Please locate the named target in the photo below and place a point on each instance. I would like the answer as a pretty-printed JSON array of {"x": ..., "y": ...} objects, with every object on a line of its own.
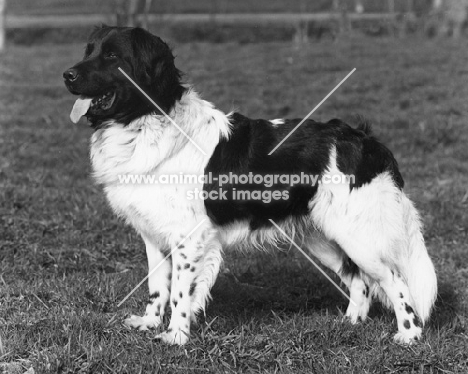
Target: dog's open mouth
[
  {"x": 92, "y": 105},
  {"x": 103, "y": 102}
]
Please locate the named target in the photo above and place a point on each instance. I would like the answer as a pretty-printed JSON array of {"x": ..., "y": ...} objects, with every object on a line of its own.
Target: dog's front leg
[
  {"x": 184, "y": 278},
  {"x": 159, "y": 270}
]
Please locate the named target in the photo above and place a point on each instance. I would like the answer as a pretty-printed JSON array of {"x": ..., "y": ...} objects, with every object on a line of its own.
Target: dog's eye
[{"x": 110, "y": 55}]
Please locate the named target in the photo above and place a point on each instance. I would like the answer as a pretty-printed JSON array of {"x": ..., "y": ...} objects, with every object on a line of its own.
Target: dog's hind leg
[
  {"x": 359, "y": 292},
  {"x": 389, "y": 286},
  {"x": 379, "y": 277},
  {"x": 158, "y": 283},
  {"x": 379, "y": 230},
  {"x": 331, "y": 255},
  {"x": 397, "y": 291}
]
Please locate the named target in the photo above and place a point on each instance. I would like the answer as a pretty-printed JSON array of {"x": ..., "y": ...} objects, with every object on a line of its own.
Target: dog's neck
[
  {"x": 143, "y": 107},
  {"x": 184, "y": 139}
]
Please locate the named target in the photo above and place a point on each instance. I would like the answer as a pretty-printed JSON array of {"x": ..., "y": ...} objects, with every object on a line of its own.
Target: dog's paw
[
  {"x": 406, "y": 338},
  {"x": 352, "y": 318},
  {"x": 357, "y": 311},
  {"x": 174, "y": 336},
  {"x": 143, "y": 323},
  {"x": 355, "y": 314}
]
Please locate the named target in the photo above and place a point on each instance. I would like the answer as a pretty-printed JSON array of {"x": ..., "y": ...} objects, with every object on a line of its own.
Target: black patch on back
[
  {"x": 307, "y": 151},
  {"x": 406, "y": 324},
  {"x": 362, "y": 155},
  {"x": 247, "y": 151}
]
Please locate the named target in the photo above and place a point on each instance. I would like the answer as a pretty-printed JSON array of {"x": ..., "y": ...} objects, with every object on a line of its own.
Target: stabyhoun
[{"x": 368, "y": 231}]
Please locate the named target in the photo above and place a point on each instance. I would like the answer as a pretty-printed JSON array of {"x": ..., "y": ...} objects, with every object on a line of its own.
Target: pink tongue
[{"x": 80, "y": 108}]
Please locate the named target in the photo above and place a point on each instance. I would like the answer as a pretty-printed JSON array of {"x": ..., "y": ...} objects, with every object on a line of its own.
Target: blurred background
[{"x": 30, "y": 21}]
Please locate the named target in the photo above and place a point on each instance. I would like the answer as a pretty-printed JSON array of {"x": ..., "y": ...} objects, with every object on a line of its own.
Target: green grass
[{"x": 66, "y": 261}]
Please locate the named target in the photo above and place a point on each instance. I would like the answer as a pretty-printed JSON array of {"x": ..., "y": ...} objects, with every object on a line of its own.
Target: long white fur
[
  {"x": 374, "y": 225},
  {"x": 379, "y": 229},
  {"x": 151, "y": 145}
]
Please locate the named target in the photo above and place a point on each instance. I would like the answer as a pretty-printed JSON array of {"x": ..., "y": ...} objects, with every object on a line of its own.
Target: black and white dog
[{"x": 365, "y": 229}]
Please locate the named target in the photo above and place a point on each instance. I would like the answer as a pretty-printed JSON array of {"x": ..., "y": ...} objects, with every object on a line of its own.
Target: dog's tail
[{"x": 420, "y": 272}]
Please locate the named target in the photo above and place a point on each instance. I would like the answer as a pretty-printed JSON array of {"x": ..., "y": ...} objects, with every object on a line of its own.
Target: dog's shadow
[
  {"x": 301, "y": 289},
  {"x": 447, "y": 310},
  {"x": 279, "y": 285}
]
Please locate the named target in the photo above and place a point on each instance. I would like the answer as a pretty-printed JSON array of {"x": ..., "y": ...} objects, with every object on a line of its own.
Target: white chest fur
[{"x": 152, "y": 146}]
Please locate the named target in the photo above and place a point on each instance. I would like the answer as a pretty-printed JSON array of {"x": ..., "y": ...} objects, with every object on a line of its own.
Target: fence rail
[{"x": 78, "y": 20}]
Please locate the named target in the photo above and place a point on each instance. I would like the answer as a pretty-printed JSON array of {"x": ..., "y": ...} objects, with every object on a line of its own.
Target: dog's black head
[{"x": 143, "y": 56}]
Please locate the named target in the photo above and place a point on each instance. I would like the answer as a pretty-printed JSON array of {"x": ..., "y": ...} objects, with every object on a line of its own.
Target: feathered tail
[{"x": 420, "y": 272}]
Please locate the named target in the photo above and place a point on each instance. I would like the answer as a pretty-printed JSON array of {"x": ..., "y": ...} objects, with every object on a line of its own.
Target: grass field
[{"x": 66, "y": 261}]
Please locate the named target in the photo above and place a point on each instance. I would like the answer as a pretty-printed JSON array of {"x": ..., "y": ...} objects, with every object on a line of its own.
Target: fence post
[
  {"x": 120, "y": 13},
  {"x": 302, "y": 26},
  {"x": 391, "y": 22},
  {"x": 2, "y": 24},
  {"x": 340, "y": 8}
]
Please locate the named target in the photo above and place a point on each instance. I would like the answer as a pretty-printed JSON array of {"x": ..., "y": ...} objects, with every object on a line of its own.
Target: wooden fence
[{"x": 65, "y": 21}]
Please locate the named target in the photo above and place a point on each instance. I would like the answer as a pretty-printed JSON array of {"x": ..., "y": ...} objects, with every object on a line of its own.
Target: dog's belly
[{"x": 241, "y": 236}]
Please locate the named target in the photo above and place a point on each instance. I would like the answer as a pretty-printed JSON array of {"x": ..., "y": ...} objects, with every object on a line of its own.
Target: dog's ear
[{"x": 154, "y": 64}]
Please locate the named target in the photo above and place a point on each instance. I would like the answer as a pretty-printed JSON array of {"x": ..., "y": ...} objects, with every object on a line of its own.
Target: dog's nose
[{"x": 70, "y": 75}]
